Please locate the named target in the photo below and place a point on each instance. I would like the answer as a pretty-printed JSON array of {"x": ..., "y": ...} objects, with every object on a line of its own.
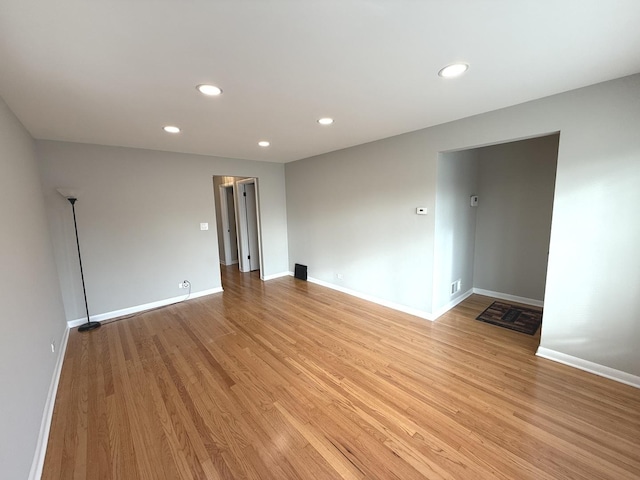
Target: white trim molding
[
  {"x": 141, "y": 308},
  {"x": 452, "y": 304},
  {"x": 266, "y": 278},
  {"x": 370, "y": 298},
  {"x": 47, "y": 416},
  {"x": 233, "y": 262},
  {"x": 510, "y": 298},
  {"x": 591, "y": 367}
]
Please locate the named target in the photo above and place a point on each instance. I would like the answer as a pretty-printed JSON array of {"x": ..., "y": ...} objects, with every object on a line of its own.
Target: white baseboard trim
[
  {"x": 140, "y": 308},
  {"x": 47, "y": 416},
  {"x": 276, "y": 275},
  {"x": 511, "y": 298},
  {"x": 452, "y": 304},
  {"x": 370, "y": 298},
  {"x": 234, "y": 262},
  {"x": 591, "y": 367}
]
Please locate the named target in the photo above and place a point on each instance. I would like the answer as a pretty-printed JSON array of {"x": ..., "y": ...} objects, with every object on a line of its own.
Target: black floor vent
[{"x": 300, "y": 272}]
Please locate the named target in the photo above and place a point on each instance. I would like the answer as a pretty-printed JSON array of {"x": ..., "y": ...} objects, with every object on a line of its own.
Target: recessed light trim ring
[
  {"x": 453, "y": 70},
  {"x": 209, "y": 90}
]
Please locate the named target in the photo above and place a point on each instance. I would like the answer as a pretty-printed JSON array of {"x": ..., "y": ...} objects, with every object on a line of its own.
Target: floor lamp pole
[{"x": 89, "y": 325}]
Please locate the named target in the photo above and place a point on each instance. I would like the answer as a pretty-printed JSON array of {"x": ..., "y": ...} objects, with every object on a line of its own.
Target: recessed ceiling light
[
  {"x": 325, "y": 121},
  {"x": 263, "y": 143},
  {"x": 210, "y": 90},
  {"x": 453, "y": 70},
  {"x": 171, "y": 129}
]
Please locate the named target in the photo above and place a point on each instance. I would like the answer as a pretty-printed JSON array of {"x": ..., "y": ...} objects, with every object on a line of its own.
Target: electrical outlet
[
  {"x": 455, "y": 286},
  {"x": 186, "y": 284},
  {"x": 339, "y": 276},
  {"x": 180, "y": 285}
]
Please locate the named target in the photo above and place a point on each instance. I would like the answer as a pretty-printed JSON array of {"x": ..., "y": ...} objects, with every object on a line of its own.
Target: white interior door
[
  {"x": 252, "y": 226},
  {"x": 248, "y": 216},
  {"x": 229, "y": 232}
]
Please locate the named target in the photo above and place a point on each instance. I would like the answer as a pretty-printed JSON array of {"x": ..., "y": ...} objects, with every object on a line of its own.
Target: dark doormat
[{"x": 514, "y": 317}]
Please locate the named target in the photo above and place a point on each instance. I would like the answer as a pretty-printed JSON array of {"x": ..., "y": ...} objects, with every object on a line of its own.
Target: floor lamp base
[{"x": 85, "y": 327}]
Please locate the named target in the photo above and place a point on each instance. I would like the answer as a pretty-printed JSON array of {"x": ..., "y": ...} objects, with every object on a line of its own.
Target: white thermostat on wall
[
  {"x": 474, "y": 200},
  {"x": 421, "y": 210}
]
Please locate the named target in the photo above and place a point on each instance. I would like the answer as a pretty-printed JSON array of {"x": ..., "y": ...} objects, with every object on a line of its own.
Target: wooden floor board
[{"x": 290, "y": 380}]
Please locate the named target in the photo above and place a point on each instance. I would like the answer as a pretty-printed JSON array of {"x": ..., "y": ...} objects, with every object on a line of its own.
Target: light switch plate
[{"x": 204, "y": 226}]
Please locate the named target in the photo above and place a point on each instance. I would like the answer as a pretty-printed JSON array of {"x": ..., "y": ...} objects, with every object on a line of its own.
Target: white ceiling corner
[{"x": 113, "y": 72}]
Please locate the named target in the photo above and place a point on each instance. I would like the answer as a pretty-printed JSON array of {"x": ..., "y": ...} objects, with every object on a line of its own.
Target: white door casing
[{"x": 248, "y": 218}]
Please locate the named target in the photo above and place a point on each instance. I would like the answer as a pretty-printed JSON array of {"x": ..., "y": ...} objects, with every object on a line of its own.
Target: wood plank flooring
[{"x": 290, "y": 380}]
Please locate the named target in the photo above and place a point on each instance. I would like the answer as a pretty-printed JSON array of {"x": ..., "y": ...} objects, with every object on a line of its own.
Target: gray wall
[
  {"x": 32, "y": 313},
  {"x": 352, "y": 211},
  {"x": 217, "y": 181},
  {"x": 516, "y": 186},
  {"x": 455, "y": 224},
  {"x": 139, "y": 215}
]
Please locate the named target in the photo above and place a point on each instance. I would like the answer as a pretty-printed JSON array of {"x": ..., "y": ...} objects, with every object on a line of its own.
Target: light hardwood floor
[{"x": 290, "y": 380}]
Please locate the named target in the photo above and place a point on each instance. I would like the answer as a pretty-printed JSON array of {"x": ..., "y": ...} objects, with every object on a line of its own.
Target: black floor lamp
[{"x": 85, "y": 327}]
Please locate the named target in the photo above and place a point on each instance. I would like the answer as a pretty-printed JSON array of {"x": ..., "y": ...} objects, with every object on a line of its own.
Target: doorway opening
[
  {"x": 248, "y": 225},
  {"x": 494, "y": 206},
  {"x": 229, "y": 250},
  {"x": 238, "y": 223}
]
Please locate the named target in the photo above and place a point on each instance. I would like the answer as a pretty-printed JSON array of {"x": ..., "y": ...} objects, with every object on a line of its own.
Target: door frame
[
  {"x": 224, "y": 212},
  {"x": 241, "y": 220}
]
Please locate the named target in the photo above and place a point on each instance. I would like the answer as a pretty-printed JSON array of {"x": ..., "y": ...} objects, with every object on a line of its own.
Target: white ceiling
[{"x": 113, "y": 72}]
